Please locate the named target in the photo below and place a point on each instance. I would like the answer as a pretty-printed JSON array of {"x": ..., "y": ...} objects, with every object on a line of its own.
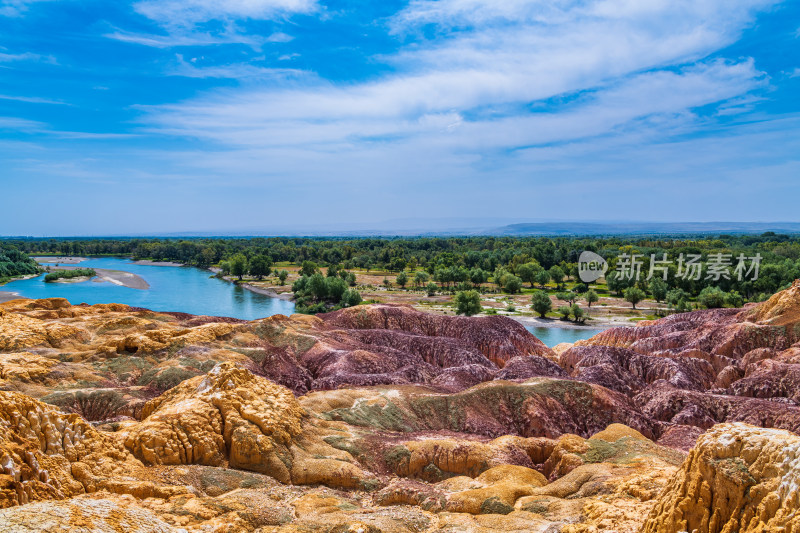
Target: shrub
[
  {"x": 712, "y": 297},
  {"x": 591, "y": 297},
  {"x": 468, "y": 303},
  {"x": 431, "y": 289},
  {"x": 511, "y": 283},
  {"x": 540, "y": 302},
  {"x": 69, "y": 274},
  {"x": 634, "y": 295}
]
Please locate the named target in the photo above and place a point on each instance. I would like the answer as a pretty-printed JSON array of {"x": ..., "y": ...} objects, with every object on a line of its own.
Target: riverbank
[
  {"x": 7, "y": 296},
  {"x": 598, "y": 323},
  {"x": 157, "y": 263},
  {"x": 61, "y": 260},
  {"x": 286, "y": 296},
  {"x": 122, "y": 278},
  {"x": 117, "y": 277}
]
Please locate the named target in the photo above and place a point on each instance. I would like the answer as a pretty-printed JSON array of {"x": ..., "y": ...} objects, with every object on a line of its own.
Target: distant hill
[
  {"x": 458, "y": 227},
  {"x": 641, "y": 228}
]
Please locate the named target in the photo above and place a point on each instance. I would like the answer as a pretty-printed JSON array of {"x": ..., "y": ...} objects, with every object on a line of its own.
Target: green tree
[
  {"x": 511, "y": 283},
  {"x": 712, "y": 297},
  {"x": 543, "y": 278},
  {"x": 499, "y": 274},
  {"x": 540, "y": 302},
  {"x": 591, "y": 297},
  {"x": 528, "y": 271},
  {"x": 565, "y": 311},
  {"x": 420, "y": 278},
  {"x": 676, "y": 295},
  {"x": 225, "y": 267},
  {"x": 734, "y": 299},
  {"x": 317, "y": 286},
  {"x": 207, "y": 257},
  {"x": 658, "y": 288},
  {"x": 577, "y": 312},
  {"x": 350, "y": 298},
  {"x": 238, "y": 265},
  {"x": 260, "y": 266},
  {"x": 444, "y": 276},
  {"x": 402, "y": 279},
  {"x": 568, "y": 296},
  {"x": 309, "y": 268},
  {"x": 335, "y": 288},
  {"x": 616, "y": 283},
  {"x": 683, "y": 306},
  {"x": 478, "y": 276},
  {"x": 351, "y": 279},
  {"x": 431, "y": 289},
  {"x": 634, "y": 295},
  {"x": 557, "y": 275},
  {"x": 468, "y": 303},
  {"x": 282, "y": 275}
]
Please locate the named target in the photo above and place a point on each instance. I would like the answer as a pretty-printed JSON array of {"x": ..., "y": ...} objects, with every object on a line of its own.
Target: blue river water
[
  {"x": 196, "y": 291},
  {"x": 553, "y": 336},
  {"x": 185, "y": 289}
]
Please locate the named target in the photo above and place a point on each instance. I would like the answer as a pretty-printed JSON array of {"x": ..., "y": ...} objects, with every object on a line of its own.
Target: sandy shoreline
[
  {"x": 157, "y": 263},
  {"x": 536, "y": 322},
  {"x": 266, "y": 292},
  {"x": 7, "y": 296},
  {"x": 122, "y": 278},
  {"x": 61, "y": 260},
  {"x": 117, "y": 277}
]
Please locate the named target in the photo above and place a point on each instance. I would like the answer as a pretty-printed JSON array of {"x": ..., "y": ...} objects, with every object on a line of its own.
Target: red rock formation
[{"x": 496, "y": 337}]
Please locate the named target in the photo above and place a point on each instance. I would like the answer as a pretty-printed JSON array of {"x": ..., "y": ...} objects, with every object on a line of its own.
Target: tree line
[
  {"x": 15, "y": 263},
  {"x": 459, "y": 262}
]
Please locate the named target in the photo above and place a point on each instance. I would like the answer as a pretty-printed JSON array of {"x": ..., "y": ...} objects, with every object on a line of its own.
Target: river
[{"x": 185, "y": 289}]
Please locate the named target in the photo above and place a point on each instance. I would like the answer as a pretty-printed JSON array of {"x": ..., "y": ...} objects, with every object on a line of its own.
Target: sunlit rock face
[
  {"x": 383, "y": 418},
  {"x": 737, "y": 478}
]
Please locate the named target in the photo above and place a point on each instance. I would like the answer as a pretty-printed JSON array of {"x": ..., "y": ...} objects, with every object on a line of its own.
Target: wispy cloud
[
  {"x": 534, "y": 98},
  {"x": 32, "y": 100},
  {"x": 21, "y": 124},
  {"x": 26, "y": 56},
  {"x": 185, "y": 21},
  {"x": 473, "y": 89},
  {"x": 185, "y": 38},
  {"x": 237, "y": 71},
  {"x": 16, "y": 8},
  {"x": 188, "y": 13}
]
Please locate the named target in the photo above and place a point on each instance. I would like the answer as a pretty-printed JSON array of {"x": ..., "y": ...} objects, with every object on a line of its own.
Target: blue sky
[{"x": 220, "y": 115}]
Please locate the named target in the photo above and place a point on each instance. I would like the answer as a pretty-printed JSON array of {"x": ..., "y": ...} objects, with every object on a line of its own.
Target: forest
[{"x": 454, "y": 260}]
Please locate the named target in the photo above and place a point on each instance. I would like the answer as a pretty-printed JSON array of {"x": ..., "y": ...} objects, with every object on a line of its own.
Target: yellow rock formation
[{"x": 738, "y": 478}]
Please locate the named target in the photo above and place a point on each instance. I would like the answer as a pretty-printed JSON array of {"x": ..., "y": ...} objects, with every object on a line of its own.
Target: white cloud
[
  {"x": 186, "y": 21},
  {"x": 183, "y": 38},
  {"x": 476, "y": 85},
  {"x": 238, "y": 71},
  {"x": 25, "y": 56},
  {"x": 187, "y": 13},
  {"x": 327, "y": 115},
  {"x": 32, "y": 99},
  {"x": 21, "y": 124},
  {"x": 16, "y": 8}
]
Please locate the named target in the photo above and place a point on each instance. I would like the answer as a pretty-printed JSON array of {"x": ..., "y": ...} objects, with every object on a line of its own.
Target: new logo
[{"x": 591, "y": 267}]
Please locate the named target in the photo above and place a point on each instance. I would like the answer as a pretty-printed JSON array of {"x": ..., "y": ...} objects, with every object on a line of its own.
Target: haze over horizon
[{"x": 158, "y": 116}]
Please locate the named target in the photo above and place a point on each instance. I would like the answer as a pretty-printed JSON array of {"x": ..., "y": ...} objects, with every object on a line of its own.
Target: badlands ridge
[{"x": 385, "y": 419}]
